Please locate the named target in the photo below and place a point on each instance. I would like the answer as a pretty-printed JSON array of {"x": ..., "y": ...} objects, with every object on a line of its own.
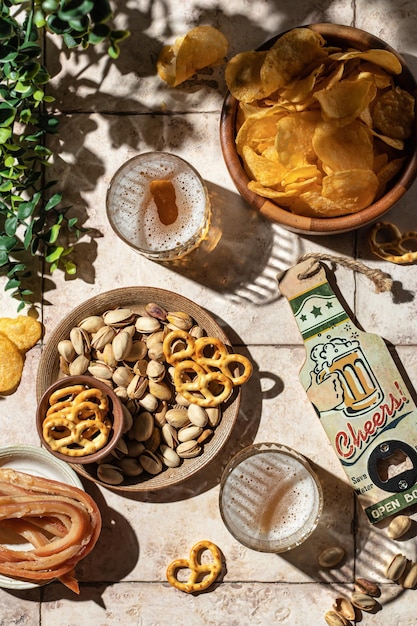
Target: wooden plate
[
  {"x": 344, "y": 36},
  {"x": 136, "y": 298}
]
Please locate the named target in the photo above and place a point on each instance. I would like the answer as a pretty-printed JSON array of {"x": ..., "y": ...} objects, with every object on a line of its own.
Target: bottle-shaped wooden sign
[{"x": 359, "y": 395}]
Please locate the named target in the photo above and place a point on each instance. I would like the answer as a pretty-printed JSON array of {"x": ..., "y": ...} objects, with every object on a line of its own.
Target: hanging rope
[{"x": 381, "y": 280}]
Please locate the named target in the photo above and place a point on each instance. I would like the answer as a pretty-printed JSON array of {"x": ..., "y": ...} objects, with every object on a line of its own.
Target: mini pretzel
[
  {"x": 75, "y": 437},
  {"x": 202, "y": 575},
  {"x": 65, "y": 392},
  {"x": 393, "y": 250},
  {"x": 193, "y": 382},
  {"x": 173, "y": 357},
  {"x": 221, "y": 359},
  {"x": 90, "y": 394}
]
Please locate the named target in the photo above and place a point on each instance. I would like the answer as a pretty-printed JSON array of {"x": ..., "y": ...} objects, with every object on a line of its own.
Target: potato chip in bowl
[{"x": 318, "y": 128}]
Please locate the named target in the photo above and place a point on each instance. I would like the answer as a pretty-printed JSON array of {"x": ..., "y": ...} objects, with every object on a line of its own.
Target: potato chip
[
  {"x": 11, "y": 365},
  {"x": 243, "y": 76},
  {"x": 265, "y": 171},
  {"x": 352, "y": 190},
  {"x": 344, "y": 147},
  {"x": 345, "y": 100},
  {"x": 293, "y": 140},
  {"x": 393, "y": 113},
  {"x": 383, "y": 58},
  {"x": 332, "y": 119},
  {"x": 203, "y": 46},
  {"x": 23, "y": 331},
  {"x": 290, "y": 55}
]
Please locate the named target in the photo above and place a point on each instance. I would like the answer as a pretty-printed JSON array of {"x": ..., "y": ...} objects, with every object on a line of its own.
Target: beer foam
[
  {"x": 135, "y": 214},
  {"x": 324, "y": 354},
  {"x": 270, "y": 497}
]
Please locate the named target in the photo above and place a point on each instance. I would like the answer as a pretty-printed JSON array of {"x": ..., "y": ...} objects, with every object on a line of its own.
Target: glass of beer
[
  {"x": 270, "y": 498},
  {"x": 158, "y": 204}
]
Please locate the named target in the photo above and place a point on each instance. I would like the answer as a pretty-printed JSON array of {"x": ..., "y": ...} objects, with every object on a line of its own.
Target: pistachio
[
  {"x": 137, "y": 387},
  {"x": 155, "y": 310},
  {"x": 140, "y": 367},
  {"x": 362, "y": 601},
  {"x": 143, "y": 425},
  {"x": 130, "y": 466},
  {"x": 134, "y": 448},
  {"x": 410, "y": 580},
  {"x": 344, "y": 607},
  {"x": 330, "y": 557},
  {"x": 118, "y": 317},
  {"x": 179, "y": 320},
  {"x": 196, "y": 331},
  {"x": 109, "y": 474},
  {"x": 156, "y": 351},
  {"x": 99, "y": 369},
  {"x": 122, "y": 376},
  {"x": 92, "y": 323},
  {"x": 104, "y": 335},
  {"x": 107, "y": 355},
  {"x": 66, "y": 350},
  {"x": 137, "y": 351},
  {"x": 367, "y": 586},
  {"x": 396, "y": 567},
  {"x": 197, "y": 415},
  {"x": 80, "y": 340},
  {"x": 79, "y": 365},
  {"x": 169, "y": 435},
  {"x": 154, "y": 440},
  {"x": 399, "y": 526},
  {"x": 150, "y": 462},
  {"x": 160, "y": 390},
  {"x": 149, "y": 402},
  {"x": 122, "y": 345},
  {"x": 169, "y": 457},
  {"x": 213, "y": 415},
  {"x": 334, "y": 619},
  {"x": 155, "y": 370},
  {"x": 205, "y": 435},
  {"x": 177, "y": 417},
  {"x": 160, "y": 412},
  {"x": 188, "y": 449},
  {"x": 147, "y": 324},
  {"x": 189, "y": 432}
]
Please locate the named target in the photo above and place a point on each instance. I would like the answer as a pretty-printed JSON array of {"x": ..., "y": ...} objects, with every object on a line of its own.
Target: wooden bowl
[
  {"x": 115, "y": 414},
  {"x": 343, "y": 36},
  {"x": 136, "y": 298}
]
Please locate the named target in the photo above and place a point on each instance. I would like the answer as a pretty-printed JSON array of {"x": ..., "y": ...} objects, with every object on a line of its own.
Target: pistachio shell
[
  {"x": 122, "y": 345},
  {"x": 66, "y": 350},
  {"x": 147, "y": 324},
  {"x": 137, "y": 352},
  {"x": 100, "y": 370},
  {"x": 122, "y": 376},
  {"x": 79, "y": 365},
  {"x": 177, "y": 417},
  {"x": 130, "y": 466},
  {"x": 367, "y": 586},
  {"x": 396, "y": 567},
  {"x": 169, "y": 435},
  {"x": 118, "y": 317},
  {"x": 189, "y": 432},
  {"x": 214, "y": 415},
  {"x": 188, "y": 449},
  {"x": 330, "y": 557},
  {"x": 143, "y": 425},
  {"x": 344, "y": 607},
  {"x": 155, "y": 310},
  {"x": 363, "y": 601},
  {"x": 104, "y": 335},
  {"x": 410, "y": 580},
  {"x": 92, "y": 323},
  {"x": 180, "y": 320},
  {"x": 149, "y": 402},
  {"x": 137, "y": 387},
  {"x": 155, "y": 370},
  {"x": 150, "y": 462},
  {"x": 169, "y": 457},
  {"x": 80, "y": 340},
  {"x": 197, "y": 415},
  {"x": 160, "y": 390},
  {"x": 399, "y": 526},
  {"x": 109, "y": 474},
  {"x": 334, "y": 619}
]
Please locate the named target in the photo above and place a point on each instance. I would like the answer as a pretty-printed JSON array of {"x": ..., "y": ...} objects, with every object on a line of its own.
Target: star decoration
[{"x": 316, "y": 311}]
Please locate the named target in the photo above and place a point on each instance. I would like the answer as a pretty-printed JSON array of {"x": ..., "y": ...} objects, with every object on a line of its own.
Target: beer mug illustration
[{"x": 361, "y": 391}]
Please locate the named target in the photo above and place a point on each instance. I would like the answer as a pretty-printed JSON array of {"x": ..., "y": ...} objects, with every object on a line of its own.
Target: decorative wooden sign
[{"x": 358, "y": 393}]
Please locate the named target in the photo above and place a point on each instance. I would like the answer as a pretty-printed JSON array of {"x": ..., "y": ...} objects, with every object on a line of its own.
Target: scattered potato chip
[
  {"x": 23, "y": 331},
  {"x": 333, "y": 120},
  {"x": 11, "y": 365},
  {"x": 203, "y": 46}
]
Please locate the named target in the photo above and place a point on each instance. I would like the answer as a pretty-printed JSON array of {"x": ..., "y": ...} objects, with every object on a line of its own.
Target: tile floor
[{"x": 110, "y": 112}]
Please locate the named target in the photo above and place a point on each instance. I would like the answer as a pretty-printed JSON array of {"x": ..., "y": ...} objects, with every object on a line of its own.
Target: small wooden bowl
[
  {"x": 343, "y": 36},
  {"x": 115, "y": 415}
]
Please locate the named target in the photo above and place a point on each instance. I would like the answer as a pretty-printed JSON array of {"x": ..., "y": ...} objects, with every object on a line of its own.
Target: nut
[
  {"x": 410, "y": 580},
  {"x": 330, "y": 557},
  {"x": 344, "y": 607},
  {"x": 334, "y": 619},
  {"x": 367, "y": 586},
  {"x": 396, "y": 567},
  {"x": 399, "y": 526},
  {"x": 363, "y": 601}
]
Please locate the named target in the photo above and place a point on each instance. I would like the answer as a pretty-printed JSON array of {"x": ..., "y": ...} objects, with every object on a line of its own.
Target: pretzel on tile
[
  {"x": 221, "y": 359},
  {"x": 202, "y": 575},
  {"x": 393, "y": 250},
  {"x": 199, "y": 386}
]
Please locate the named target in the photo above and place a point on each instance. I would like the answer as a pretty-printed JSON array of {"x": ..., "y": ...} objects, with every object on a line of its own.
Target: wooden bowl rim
[{"x": 315, "y": 225}]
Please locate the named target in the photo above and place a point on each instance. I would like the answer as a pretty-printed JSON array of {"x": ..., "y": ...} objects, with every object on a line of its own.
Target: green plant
[{"x": 33, "y": 221}]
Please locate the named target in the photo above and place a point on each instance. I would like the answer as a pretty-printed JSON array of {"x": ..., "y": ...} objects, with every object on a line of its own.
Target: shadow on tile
[{"x": 243, "y": 251}]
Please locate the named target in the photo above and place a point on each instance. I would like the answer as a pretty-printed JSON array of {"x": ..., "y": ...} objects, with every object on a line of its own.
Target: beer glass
[{"x": 158, "y": 204}]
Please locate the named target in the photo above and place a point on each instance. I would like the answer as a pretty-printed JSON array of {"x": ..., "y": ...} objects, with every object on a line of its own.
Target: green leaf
[
  {"x": 25, "y": 210},
  {"x": 6, "y": 29},
  {"x": 70, "y": 268},
  {"x": 55, "y": 254},
  {"x": 5, "y": 134},
  {"x": 4, "y": 258},
  {"x": 119, "y": 35},
  {"x": 10, "y": 225},
  {"x": 54, "y": 233},
  {"x": 101, "y": 11},
  {"x": 53, "y": 201},
  {"x": 7, "y": 243},
  {"x": 12, "y": 284},
  {"x": 113, "y": 51},
  {"x": 76, "y": 8},
  {"x": 28, "y": 236}
]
